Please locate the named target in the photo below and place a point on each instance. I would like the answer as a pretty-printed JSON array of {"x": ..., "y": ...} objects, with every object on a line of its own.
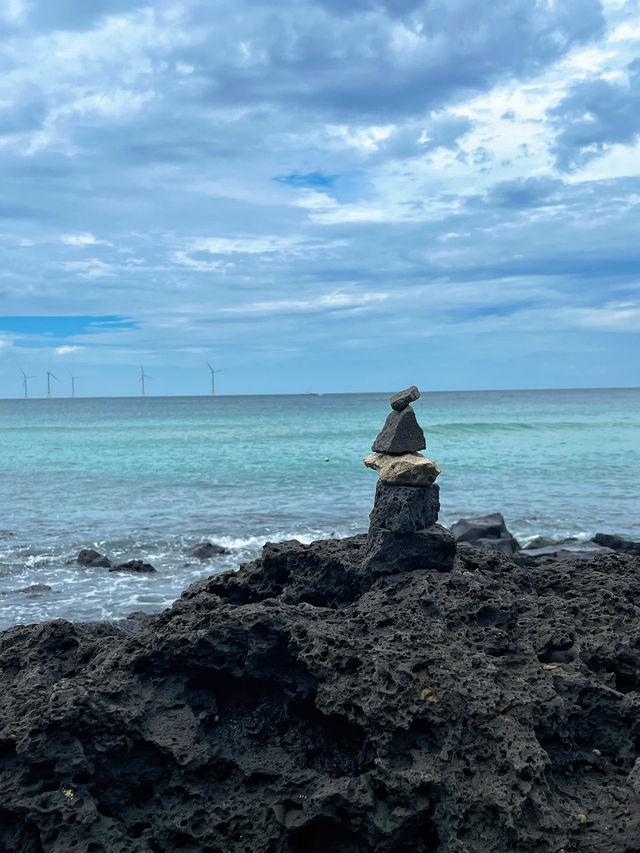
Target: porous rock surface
[
  {"x": 405, "y": 509},
  {"x": 401, "y": 433},
  {"x": 301, "y": 706},
  {"x": 402, "y": 399}
]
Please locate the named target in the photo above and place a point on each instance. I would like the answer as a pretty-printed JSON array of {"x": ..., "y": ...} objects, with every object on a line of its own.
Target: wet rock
[
  {"x": 488, "y": 531},
  {"x": 401, "y": 433},
  {"x": 302, "y": 704},
  {"x": 133, "y": 566},
  {"x": 405, "y": 508},
  {"x": 34, "y": 589},
  {"x": 540, "y": 542},
  {"x": 402, "y": 399},
  {"x": 207, "y": 550},
  {"x": 92, "y": 559},
  {"x": 617, "y": 543},
  {"x": 408, "y": 469}
]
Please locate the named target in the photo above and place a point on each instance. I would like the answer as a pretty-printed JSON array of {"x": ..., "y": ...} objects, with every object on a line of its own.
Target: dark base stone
[
  {"x": 388, "y": 553},
  {"x": 404, "y": 509}
]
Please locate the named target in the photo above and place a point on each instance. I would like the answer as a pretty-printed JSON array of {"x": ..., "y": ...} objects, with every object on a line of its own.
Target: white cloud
[
  {"x": 327, "y": 302},
  {"x": 93, "y": 268},
  {"x": 245, "y": 245},
  {"x": 65, "y": 350},
  {"x": 83, "y": 239}
]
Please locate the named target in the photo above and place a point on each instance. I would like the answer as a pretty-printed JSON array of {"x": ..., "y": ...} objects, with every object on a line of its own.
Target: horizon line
[{"x": 327, "y": 393}]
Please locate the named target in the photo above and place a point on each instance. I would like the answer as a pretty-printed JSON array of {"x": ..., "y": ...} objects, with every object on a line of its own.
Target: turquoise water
[{"x": 150, "y": 477}]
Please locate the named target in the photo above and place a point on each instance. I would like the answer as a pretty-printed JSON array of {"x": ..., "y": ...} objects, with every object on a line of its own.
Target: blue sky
[{"x": 320, "y": 195}]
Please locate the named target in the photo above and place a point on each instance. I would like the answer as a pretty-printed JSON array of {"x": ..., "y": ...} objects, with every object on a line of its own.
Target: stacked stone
[{"x": 403, "y": 533}]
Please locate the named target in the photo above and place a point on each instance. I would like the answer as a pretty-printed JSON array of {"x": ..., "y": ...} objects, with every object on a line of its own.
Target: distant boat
[{"x": 311, "y": 394}]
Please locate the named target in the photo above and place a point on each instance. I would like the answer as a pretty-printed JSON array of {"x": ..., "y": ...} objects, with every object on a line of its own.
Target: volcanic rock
[
  {"x": 401, "y": 433},
  {"x": 402, "y": 399},
  {"x": 617, "y": 543},
  {"x": 133, "y": 566},
  {"x": 93, "y": 559},
  {"x": 409, "y": 469},
  {"x": 489, "y": 708},
  {"x": 389, "y": 552},
  {"x": 405, "y": 508},
  {"x": 489, "y": 531},
  {"x": 206, "y": 550}
]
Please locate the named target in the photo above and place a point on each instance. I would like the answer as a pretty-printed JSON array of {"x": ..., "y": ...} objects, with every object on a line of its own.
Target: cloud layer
[{"x": 343, "y": 196}]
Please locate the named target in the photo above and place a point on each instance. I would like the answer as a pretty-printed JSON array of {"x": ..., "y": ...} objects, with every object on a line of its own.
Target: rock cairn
[{"x": 403, "y": 533}]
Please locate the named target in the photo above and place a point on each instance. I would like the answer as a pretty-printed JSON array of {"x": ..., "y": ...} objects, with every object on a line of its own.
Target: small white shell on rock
[{"x": 406, "y": 469}]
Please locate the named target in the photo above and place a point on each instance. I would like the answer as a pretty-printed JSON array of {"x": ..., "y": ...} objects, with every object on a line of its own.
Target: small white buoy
[{"x": 326, "y": 458}]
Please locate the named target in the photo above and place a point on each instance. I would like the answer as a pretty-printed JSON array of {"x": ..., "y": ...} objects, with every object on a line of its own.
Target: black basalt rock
[
  {"x": 617, "y": 543},
  {"x": 402, "y": 399},
  {"x": 388, "y": 552},
  {"x": 489, "y": 531},
  {"x": 93, "y": 559},
  {"x": 401, "y": 433},
  {"x": 301, "y": 705},
  {"x": 206, "y": 550},
  {"x": 138, "y": 566},
  {"x": 405, "y": 509}
]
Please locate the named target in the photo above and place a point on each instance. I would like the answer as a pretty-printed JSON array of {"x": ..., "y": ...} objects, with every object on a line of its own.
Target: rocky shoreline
[
  {"x": 301, "y": 705},
  {"x": 376, "y": 694}
]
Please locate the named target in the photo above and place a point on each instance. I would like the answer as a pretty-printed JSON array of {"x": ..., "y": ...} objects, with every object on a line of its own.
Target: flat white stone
[{"x": 406, "y": 469}]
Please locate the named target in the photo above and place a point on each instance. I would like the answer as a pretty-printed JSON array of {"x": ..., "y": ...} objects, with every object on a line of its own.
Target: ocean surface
[{"x": 152, "y": 477}]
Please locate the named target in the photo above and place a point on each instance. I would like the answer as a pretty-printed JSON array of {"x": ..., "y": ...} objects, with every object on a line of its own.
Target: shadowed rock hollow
[{"x": 301, "y": 705}]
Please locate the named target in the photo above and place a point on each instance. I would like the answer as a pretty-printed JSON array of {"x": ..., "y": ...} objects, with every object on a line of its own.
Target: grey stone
[
  {"x": 206, "y": 550},
  {"x": 388, "y": 552},
  {"x": 488, "y": 531},
  {"x": 93, "y": 559},
  {"x": 401, "y": 433},
  {"x": 402, "y": 399},
  {"x": 405, "y": 508},
  {"x": 406, "y": 469},
  {"x": 617, "y": 543}
]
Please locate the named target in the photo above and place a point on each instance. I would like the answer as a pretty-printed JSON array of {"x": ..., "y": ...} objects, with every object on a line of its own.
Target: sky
[{"x": 319, "y": 195}]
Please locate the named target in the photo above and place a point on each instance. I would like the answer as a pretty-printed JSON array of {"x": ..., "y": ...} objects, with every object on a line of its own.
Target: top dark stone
[
  {"x": 402, "y": 399},
  {"x": 401, "y": 433}
]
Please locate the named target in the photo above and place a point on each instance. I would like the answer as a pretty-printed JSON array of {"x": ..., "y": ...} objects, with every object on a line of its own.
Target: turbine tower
[
  {"x": 213, "y": 379},
  {"x": 25, "y": 377},
  {"x": 49, "y": 375},
  {"x": 143, "y": 376},
  {"x": 73, "y": 384}
]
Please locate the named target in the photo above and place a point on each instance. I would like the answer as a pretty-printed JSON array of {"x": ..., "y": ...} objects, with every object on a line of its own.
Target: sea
[{"x": 149, "y": 478}]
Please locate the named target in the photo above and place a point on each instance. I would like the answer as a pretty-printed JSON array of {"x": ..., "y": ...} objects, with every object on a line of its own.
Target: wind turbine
[
  {"x": 73, "y": 383},
  {"x": 49, "y": 375},
  {"x": 213, "y": 379},
  {"x": 26, "y": 390},
  {"x": 143, "y": 376}
]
